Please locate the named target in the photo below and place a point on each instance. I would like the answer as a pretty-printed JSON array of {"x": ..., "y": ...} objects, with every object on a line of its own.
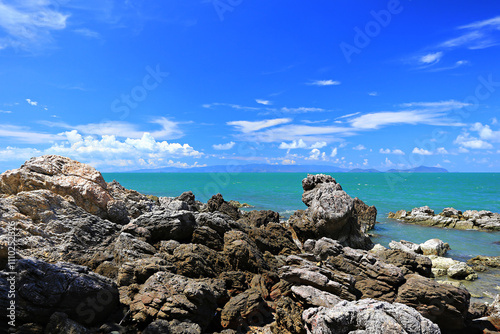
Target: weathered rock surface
[
  {"x": 443, "y": 304},
  {"x": 434, "y": 247},
  {"x": 175, "y": 265},
  {"x": 367, "y": 316},
  {"x": 44, "y": 288},
  {"x": 332, "y": 213},
  {"x": 451, "y": 218},
  {"x": 167, "y": 296},
  {"x": 459, "y": 270},
  {"x": 488, "y": 261}
]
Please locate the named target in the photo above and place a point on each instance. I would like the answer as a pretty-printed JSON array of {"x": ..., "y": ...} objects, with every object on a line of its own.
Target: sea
[{"x": 388, "y": 192}]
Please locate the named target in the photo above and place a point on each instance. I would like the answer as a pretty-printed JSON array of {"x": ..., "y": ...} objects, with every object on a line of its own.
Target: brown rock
[
  {"x": 443, "y": 304},
  {"x": 273, "y": 238},
  {"x": 259, "y": 218}
]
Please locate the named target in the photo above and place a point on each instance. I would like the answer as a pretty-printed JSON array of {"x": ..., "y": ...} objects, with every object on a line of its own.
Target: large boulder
[
  {"x": 409, "y": 263},
  {"x": 443, "y": 304},
  {"x": 167, "y": 296},
  {"x": 217, "y": 203},
  {"x": 167, "y": 225},
  {"x": 331, "y": 213},
  {"x": 367, "y": 316},
  {"x": 44, "y": 288},
  {"x": 434, "y": 247}
]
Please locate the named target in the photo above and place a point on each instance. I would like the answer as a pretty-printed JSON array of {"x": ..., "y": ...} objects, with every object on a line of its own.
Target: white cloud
[
  {"x": 365, "y": 162},
  {"x": 441, "y": 150},
  {"x": 421, "y": 151},
  {"x": 5, "y": 111},
  {"x": 324, "y": 83},
  {"x": 494, "y": 121},
  {"x": 486, "y": 133},
  {"x": 316, "y": 154},
  {"x": 29, "y": 24},
  {"x": 463, "y": 150},
  {"x": 293, "y": 145},
  {"x": 319, "y": 144},
  {"x": 465, "y": 140},
  {"x": 301, "y": 110},
  {"x": 288, "y": 162},
  {"x": 252, "y": 126},
  {"x": 169, "y": 129},
  {"x": 26, "y": 135},
  {"x": 439, "y": 105},
  {"x": 373, "y": 93},
  {"x": 359, "y": 147},
  {"x": 87, "y": 33},
  {"x": 388, "y": 151},
  {"x": 431, "y": 58},
  {"x": 230, "y": 105},
  {"x": 477, "y": 35},
  {"x": 18, "y": 154},
  {"x": 388, "y": 163},
  {"x": 223, "y": 147},
  {"x": 33, "y": 103},
  {"x": 348, "y": 115},
  {"x": 334, "y": 152},
  {"x": 264, "y": 102}
]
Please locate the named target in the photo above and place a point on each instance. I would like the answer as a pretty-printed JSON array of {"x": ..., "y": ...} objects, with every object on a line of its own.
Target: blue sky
[{"x": 126, "y": 85}]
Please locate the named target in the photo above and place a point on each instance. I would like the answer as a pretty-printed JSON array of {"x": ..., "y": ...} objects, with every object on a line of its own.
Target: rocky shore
[
  {"x": 94, "y": 257},
  {"x": 450, "y": 218}
]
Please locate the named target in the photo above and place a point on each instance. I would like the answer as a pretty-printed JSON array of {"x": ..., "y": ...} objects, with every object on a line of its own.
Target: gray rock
[
  {"x": 167, "y": 225},
  {"x": 406, "y": 246},
  {"x": 434, "y": 247},
  {"x": 461, "y": 271},
  {"x": 367, "y": 316},
  {"x": 315, "y": 297}
]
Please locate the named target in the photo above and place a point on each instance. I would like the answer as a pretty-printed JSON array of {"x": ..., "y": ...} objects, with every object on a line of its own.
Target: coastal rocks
[
  {"x": 44, "y": 288},
  {"x": 274, "y": 238},
  {"x": 367, "y": 316},
  {"x": 442, "y": 266},
  {"x": 331, "y": 213},
  {"x": 315, "y": 297},
  {"x": 434, "y": 247},
  {"x": 167, "y": 296},
  {"x": 240, "y": 310},
  {"x": 450, "y": 218},
  {"x": 243, "y": 253},
  {"x": 167, "y": 225},
  {"x": 256, "y": 218},
  {"x": 408, "y": 262},
  {"x": 488, "y": 261},
  {"x": 405, "y": 246},
  {"x": 443, "y": 304},
  {"x": 217, "y": 203}
]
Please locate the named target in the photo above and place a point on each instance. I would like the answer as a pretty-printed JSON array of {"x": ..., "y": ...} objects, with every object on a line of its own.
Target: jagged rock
[
  {"x": 366, "y": 215},
  {"x": 264, "y": 283},
  {"x": 398, "y": 214},
  {"x": 409, "y": 263},
  {"x": 167, "y": 225},
  {"x": 303, "y": 272},
  {"x": 135, "y": 202},
  {"x": 367, "y": 316},
  {"x": 273, "y": 238},
  {"x": 461, "y": 271},
  {"x": 315, "y": 297},
  {"x": 423, "y": 211},
  {"x": 243, "y": 253},
  {"x": 172, "y": 327},
  {"x": 52, "y": 228},
  {"x": 259, "y": 218},
  {"x": 236, "y": 281},
  {"x": 217, "y": 203},
  {"x": 44, "y": 288},
  {"x": 167, "y": 296},
  {"x": 406, "y": 246},
  {"x": 197, "y": 261},
  {"x": 331, "y": 213},
  {"x": 451, "y": 212},
  {"x": 443, "y": 304},
  {"x": 209, "y": 237},
  {"x": 60, "y": 324},
  {"x": 434, "y": 247},
  {"x": 247, "y": 308},
  {"x": 127, "y": 248},
  {"x": 373, "y": 278},
  {"x": 219, "y": 222},
  {"x": 169, "y": 246},
  {"x": 137, "y": 272},
  {"x": 289, "y": 317},
  {"x": 489, "y": 261}
]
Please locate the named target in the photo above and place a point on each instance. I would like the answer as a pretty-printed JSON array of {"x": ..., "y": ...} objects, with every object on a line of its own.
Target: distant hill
[
  {"x": 420, "y": 169},
  {"x": 360, "y": 170},
  {"x": 263, "y": 168},
  {"x": 252, "y": 168}
]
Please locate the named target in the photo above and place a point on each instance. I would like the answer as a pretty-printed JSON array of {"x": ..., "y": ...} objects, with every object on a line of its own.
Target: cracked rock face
[{"x": 332, "y": 213}]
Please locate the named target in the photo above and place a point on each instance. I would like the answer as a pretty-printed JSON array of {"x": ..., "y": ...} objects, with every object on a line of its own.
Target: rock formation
[
  {"x": 450, "y": 218},
  {"x": 94, "y": 257}
]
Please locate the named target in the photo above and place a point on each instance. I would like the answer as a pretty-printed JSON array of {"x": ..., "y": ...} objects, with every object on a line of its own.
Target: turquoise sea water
[{"x": 388, "y": 192}]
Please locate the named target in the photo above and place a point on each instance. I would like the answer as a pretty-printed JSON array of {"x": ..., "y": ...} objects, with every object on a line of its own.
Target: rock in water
[
  {"x": 332, "y": 213},
  {"x": 367, "y": 316}
]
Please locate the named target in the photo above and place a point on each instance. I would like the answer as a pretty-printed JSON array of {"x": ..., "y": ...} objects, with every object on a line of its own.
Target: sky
[{"x": 128, "y": 85}]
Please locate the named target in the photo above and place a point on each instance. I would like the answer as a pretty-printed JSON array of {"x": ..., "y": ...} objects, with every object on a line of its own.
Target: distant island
[{"x": 264, "y": 168}]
